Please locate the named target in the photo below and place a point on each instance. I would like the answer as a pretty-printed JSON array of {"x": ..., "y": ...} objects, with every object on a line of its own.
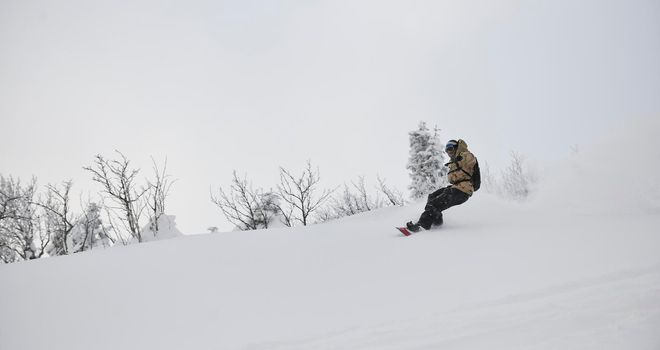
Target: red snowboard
[{"x": 404, "y": 231}]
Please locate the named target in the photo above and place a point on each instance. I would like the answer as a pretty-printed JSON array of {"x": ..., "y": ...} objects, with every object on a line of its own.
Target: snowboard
[{"x": 404, "y": 230}]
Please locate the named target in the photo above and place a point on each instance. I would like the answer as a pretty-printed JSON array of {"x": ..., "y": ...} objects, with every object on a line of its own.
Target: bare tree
[
  {"x": 118, "y": 181},
  {"x": 245, "y": 207},
  {"x": 60, "y": 219},
  {"x": 157, "y": 192},
  {"x": 299, "y": 194}
]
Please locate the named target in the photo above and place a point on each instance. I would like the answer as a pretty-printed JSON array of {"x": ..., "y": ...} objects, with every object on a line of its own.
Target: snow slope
[{"x": 564, "y": 271}]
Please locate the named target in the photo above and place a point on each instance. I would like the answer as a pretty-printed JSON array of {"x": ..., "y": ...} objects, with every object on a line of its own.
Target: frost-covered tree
[
  {"x": 25, "y": 231},
  {"x": 357, "y": 198},
  {"x": 426, "y": 162},
  {"x": 246, "y": 207},
  {"x": 89, "y": 231}
]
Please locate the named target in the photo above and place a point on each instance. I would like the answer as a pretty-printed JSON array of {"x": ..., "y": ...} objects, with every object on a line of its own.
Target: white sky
[{"x": 252, "y": 85}]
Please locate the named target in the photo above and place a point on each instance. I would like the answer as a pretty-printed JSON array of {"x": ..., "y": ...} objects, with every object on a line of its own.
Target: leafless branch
[
  {"x": 118, "y": 181},
  {"x": 394, "y": 196},
  {"x": 299, "y": 193},
  {"x": 245, "y": 207},
  {"x": 157, "y": 192}
]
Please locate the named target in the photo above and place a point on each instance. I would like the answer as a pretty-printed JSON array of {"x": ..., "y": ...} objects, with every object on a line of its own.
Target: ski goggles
[{"x": 451, "y": 146}]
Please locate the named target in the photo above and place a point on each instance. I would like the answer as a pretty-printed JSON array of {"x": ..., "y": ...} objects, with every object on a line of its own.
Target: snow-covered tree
[
  {"x": 25, "y": 232},
  {"x": 426, "y": 162},
  {"x": 89, "y": 231},
  {"x": 166, "y": 229}
]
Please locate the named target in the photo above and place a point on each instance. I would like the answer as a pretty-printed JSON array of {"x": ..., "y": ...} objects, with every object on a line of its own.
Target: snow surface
[{"x": 577, "y": 267}]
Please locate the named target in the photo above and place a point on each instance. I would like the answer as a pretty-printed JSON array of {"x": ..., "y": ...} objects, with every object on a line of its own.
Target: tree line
[
  {"x": 36, "y": 223},
  {"x": 298, "y": 200},
  {"x": 39, "y": 222}
]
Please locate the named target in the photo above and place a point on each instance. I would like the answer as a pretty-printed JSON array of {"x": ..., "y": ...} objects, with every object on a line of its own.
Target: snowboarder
[{"x": 463, "y": 176}]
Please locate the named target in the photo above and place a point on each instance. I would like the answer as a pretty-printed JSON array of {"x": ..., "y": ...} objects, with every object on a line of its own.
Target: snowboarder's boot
[
  {"x": 413, "y": 227},
  {"x": 437, "y": 219}
]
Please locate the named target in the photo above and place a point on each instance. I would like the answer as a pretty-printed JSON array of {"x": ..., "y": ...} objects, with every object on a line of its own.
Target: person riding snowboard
[{"x": 463, "y": 171}]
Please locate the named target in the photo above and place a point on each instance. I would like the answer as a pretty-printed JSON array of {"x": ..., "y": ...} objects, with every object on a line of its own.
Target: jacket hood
[{"x": 462, "y": 147}]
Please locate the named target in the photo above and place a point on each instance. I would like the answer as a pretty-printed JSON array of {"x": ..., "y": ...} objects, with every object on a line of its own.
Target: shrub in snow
[
  {"x": 353, "y": 200},
  {"x": 356, "y": 199}
]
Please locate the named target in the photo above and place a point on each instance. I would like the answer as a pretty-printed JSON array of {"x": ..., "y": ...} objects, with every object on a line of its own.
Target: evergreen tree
[{"x": 426, "y": 162}]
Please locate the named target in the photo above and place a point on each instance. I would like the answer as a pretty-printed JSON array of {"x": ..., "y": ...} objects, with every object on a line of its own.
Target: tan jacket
[{"x": 461, "y": 169}]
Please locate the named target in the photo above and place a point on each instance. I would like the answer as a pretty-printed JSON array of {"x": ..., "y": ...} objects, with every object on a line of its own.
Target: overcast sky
[{"x": 254, "y": 85}]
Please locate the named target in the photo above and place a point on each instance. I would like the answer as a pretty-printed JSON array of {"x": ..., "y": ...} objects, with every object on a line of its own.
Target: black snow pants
[{"x": 439, "y": 201}]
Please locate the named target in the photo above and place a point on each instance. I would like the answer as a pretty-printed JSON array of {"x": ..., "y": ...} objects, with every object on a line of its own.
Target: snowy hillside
[{"x": 578, "y": 267}]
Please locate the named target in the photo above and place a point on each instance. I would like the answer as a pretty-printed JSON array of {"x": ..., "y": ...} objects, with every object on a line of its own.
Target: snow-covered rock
[{"x": 166, "y": 229}]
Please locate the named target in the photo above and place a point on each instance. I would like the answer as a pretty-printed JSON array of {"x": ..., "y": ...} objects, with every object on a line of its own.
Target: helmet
[{"x": 451, "y": 145}]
